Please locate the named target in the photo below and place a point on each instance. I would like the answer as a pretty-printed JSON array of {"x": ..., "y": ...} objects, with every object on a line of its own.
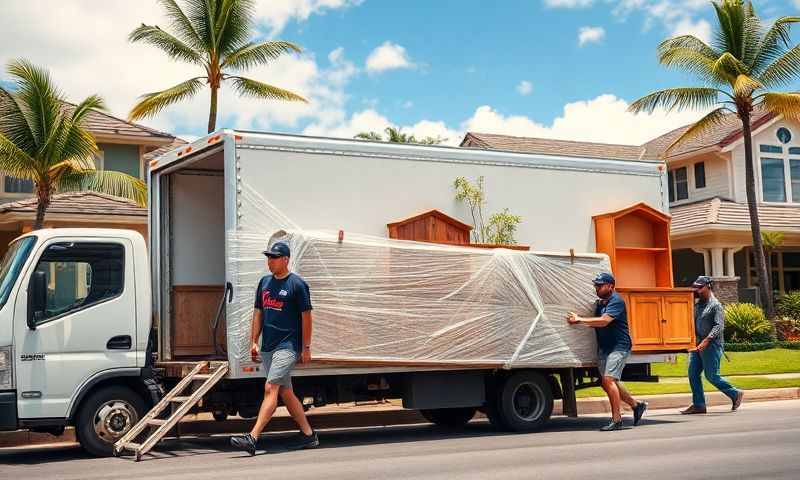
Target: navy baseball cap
[
  {"x": 277, "y": 250},
  {"x": 702, "y": 281},
  {"x": 603, "y": 278}
]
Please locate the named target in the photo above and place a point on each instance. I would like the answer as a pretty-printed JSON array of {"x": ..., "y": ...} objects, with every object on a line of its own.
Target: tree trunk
[
  {"x": 755, "y": 225},
  {"x": 212, "y": 113},
  {"x": 43, "y": 195}
]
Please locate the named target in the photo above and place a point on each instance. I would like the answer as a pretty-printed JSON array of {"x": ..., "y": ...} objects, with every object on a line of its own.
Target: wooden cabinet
[
  {"x": 193, "y": 311},
  {"x": 660, "y": 320}
]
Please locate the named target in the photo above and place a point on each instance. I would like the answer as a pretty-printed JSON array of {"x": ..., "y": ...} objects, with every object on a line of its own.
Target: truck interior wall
[{"x": 197, "y": 215}]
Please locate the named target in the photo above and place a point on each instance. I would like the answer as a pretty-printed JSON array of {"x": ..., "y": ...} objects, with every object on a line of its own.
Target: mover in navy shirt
[
  {"x": 282, "y": 323},
  {"x": 613, "y": 347}
]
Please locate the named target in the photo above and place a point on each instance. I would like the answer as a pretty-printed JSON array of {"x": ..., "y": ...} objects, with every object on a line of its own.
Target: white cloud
[
  {"x": 364, "y": 121},
  {"x": 524, "y": 87},
  {"x": 700, "y": 29},
  {"x": 100, "y": 60},
  {"x": 590, "y": 35},
  {"x": 275, "y": 14},
  {"x": 388, "y": 56},
  {"x": 568, "y": 3}
]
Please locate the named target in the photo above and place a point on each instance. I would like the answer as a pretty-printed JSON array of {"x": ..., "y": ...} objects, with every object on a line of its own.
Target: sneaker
[
  {"x": 244, "y": 442},
  {"x": 737, "y": 401},
  {"x": 612, "y": 426},
  {"x": 307, "y": 441},
  {"x": 638, "y": 412},
  {"x": 693, "y": 410}
]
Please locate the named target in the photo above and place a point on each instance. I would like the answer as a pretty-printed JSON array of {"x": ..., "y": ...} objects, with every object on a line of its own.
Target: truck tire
[
  {"x": 525, "y": 401},
  {"x": 105, "y": 416},
  {"x": 449, "y": 417},
  {"x": 492, "y": 406}
]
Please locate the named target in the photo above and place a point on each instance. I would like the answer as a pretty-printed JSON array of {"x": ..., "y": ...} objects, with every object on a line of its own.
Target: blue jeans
[{"x": 707, "y": 362}]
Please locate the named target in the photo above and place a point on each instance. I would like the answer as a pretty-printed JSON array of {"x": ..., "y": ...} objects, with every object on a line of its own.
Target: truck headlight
[{"x": 6, "y": 366}]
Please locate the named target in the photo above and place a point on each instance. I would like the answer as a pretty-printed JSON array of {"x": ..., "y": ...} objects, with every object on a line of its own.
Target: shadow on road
[{"x": 282, "y": 442}]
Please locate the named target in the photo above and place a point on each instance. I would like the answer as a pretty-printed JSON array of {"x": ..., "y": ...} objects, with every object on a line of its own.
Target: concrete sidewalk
[{"x": 376, "y": 415}]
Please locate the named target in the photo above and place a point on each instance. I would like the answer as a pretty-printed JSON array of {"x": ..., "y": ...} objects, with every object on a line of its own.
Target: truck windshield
[{"x": 12, "y": 263}]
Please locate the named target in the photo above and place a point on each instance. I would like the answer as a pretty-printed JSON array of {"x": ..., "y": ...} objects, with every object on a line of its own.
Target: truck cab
[{"x": 75, "y": 319}]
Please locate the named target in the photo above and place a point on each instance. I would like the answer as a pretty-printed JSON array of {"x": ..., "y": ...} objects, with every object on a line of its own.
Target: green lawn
[
  {"x": 646, "y": 388},
  {"x": 777, "y": 360}
]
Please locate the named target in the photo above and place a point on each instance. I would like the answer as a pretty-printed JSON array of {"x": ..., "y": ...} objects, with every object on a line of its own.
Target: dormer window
[
  {"x": 780, "y": 170},
  {"x": 678, "y": 184}
]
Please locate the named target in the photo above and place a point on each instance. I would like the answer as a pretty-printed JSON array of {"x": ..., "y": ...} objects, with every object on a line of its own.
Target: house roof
[
  {"x": 99, "y": 123},
  {"x": 79, "y": 203},
  {"x": 729, "y": 215},
  {"x": 153, "y": 154},
  {"x": 547, "y": 146},
  {"x": 721, "y": 135}
]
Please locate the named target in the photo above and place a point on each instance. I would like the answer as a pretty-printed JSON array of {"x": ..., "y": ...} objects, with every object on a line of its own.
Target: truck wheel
[
  {"x": 105, "y": 416},
  {"x": 220, "y": 415},
  {"x": 449, "y": 417},
  {"x": 492, "y": 406},
  {"x": 525, "y": 401}
]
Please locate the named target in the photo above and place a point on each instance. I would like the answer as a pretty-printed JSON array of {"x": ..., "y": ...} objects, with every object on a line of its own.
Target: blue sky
[{"x": 550, "y": 68}]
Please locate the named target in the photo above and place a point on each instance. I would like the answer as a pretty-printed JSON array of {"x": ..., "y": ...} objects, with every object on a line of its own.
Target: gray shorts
[
  {"x": 611, "y": 365},
  {"x": 278, "y": 365}
]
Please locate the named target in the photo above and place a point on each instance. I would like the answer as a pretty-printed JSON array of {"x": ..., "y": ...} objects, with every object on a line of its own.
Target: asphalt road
[{"x": 762, "y": 440}]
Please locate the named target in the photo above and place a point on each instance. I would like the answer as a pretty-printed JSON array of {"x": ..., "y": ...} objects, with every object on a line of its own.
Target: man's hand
[
  {"x": 573, "y": 318},
  {"x": 703, "y": 345},
  {"x": 305, "y": 357},
  {"x": 254, "y": 354}
]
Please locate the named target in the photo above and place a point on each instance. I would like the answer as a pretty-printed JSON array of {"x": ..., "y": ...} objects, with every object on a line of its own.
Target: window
[
  {"x": 12, "y": 263},
  {"x": 17, "y": 185},
  {"x": 794, "y": 173},
  {"x": 784, "y": 135},
  {"x": 678, "y": 184},
  {"x": 80, "y": 275},
  {"x": 770, "y": 149},
  {"x": 700, "y": 175},
  {"x": 785, "y": 271},
  {"x": 772, "y": 180}
]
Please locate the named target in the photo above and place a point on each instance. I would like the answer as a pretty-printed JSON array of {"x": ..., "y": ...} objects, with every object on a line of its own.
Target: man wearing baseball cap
[
  {"x": 282, "y": 324},
  {"x": 709, "y": 326},
  {"x": 610, "y": 322}
]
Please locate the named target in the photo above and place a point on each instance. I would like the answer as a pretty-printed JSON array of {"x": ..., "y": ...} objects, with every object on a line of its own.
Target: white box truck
[{"x": 94, "y": 330}]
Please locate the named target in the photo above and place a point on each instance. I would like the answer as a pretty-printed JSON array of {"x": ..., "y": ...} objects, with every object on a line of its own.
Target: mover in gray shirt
[{"x": 709, "y": 326}]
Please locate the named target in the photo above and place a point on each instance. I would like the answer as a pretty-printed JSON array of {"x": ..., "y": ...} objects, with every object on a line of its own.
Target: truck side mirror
[{"x": 37, "y": 298}]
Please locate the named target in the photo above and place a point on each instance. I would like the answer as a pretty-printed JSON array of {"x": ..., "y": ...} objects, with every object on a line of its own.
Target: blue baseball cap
[
  {"x": 603, "y": 278},
  {"x": 702, "y": 281},
  {"x": 277, "y": 250}
]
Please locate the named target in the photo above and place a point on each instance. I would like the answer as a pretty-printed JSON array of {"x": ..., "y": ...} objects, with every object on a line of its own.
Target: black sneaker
[
  {"x": 612, "y": 426},
  {"x": 307, "y": 441},
  {"x": 638, "y": 412},
  {"x": 244, "y": 442}
]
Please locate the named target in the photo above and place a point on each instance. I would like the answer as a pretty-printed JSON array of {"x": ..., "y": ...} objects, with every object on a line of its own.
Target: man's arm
[
  {"x": 256, "y": 333},
  {"x": 305, "y": 357},
  {"x": 594, "y": 322},
  {"x": 718, "y": 322}
]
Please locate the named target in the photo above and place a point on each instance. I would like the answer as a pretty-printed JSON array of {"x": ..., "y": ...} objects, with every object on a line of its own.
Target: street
[{"x": 762, "y": 440}]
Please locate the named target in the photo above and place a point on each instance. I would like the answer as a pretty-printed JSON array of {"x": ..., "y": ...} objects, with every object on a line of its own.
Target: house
[
  {"x": 710, "y": 228},
  {"x": 124, "y": 147}
]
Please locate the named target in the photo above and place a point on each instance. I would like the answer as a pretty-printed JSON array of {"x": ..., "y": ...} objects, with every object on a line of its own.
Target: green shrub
[
  {"x": 746, "y": 323},
  {"x": 752, "y": 347},
  {"x": 789, "y": 305}
]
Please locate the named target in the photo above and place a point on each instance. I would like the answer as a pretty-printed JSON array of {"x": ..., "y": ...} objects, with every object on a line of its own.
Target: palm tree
[
  {"x": 394, "y": 135},
  {"x": 737, "y": 71},
  {"x": 212, "y": 34},
  {"x": 42, "y": 139}
]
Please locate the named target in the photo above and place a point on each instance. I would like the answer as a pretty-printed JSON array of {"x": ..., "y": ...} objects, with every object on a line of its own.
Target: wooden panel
[
  {"x": 644, "y": 320},
  {"x": 678, "y": 330},
  {"x": 634, "y": 231},
  {"x": 194, "y": 308},
  {"x": 663, "y": 266},
  {"x": 635, "y": 268}
]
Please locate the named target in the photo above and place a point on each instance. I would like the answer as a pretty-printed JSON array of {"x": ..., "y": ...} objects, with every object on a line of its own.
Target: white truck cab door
[{"x": 87, "y": 323}]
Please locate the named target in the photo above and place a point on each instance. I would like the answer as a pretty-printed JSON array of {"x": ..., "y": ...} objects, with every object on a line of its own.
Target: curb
[{"x": 388, "y": 415}]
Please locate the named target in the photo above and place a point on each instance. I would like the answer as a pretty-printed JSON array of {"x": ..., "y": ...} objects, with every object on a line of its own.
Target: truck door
[{"x": 87, "y": 325}]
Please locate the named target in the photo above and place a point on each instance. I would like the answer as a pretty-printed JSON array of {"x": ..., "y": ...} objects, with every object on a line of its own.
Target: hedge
[{"x": 752, "y": 347}]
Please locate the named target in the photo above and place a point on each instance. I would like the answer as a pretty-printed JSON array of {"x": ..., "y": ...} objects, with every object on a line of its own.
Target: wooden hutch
[
  {"x": 436, "y": 227},
  {"x": 636, "y": 240}
]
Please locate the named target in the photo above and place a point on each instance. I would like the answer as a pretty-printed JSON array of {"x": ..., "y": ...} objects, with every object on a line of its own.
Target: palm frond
[
  {"x": 43, "y": 102},
  {"x": 14, "y": 123},
  {"x": 255, "y": 54},
  {"x": 152, "y": 103},
  {"x": 786, "y": 104},
  {"x": 14, "y": 161},
  {"x": 744, "y": 86},
  {"x": 784, "y": 70},
  {"x": 166, "y": 42},
  {"x": 692, "y": 61},
  {"x": 729, "y": 67},
  {"x": 708, "y": 122},
  {"x": 751, "y": 38},
  {"x": 689, "y": 42},
  {"x": 248, "y": 87},
  {"x": 200, "y": 13},
  {"x": 369, "y": 136},
  {"x": 233, "y": 25},
  {"x": 92, "y": 102},
  {"x": 677, "y": 99},
  {"x": 181, "y": 24},
  {"x": 774, "y": 43},
  {"x": 109, "y": 182}
]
